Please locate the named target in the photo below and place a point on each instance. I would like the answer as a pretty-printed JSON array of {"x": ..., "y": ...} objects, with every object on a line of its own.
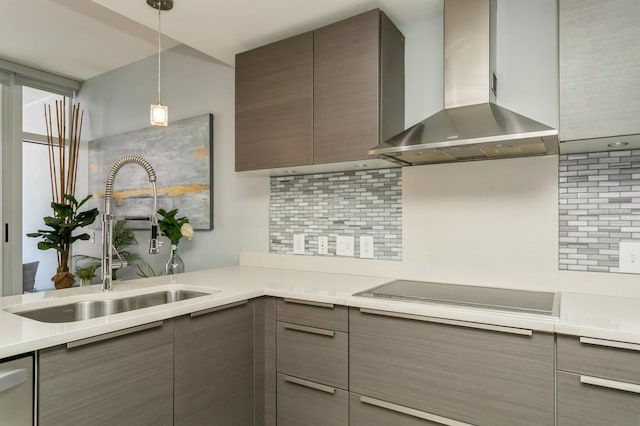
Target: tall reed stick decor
[
  {"x": 63, "y": 168},
  {"x": 63, "y": 163}
]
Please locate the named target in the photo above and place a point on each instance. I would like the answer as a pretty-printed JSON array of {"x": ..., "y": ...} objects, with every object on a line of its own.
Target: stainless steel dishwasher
[{"x": 16, "y": 391}]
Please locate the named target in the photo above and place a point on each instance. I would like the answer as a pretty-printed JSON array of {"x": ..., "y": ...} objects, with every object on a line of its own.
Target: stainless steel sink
[{"x": 87, "y": 309}]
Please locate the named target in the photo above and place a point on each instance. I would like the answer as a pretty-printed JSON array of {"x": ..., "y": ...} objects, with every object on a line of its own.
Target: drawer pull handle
[
  {"x": 310, "y": 385},
  {"x": 310, "y": 303},
  {"x": 311, "y": 330},
  {"x": 479, "y": 325},
  {"x": 611, "y": 384},
  {"x": 11, "y": 379},
  {"x": 609, "y": 343},
  {"x": 218, "y": 308},
  {"x": 111, "y": 335},
  {"x": 411, "y": 412}
]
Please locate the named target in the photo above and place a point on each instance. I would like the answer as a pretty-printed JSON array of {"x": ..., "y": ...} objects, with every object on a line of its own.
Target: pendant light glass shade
[{"x": 159, "y": 114}]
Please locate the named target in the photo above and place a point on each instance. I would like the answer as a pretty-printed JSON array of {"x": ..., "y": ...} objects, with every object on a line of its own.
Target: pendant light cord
[{"x": 159, "y": 43}]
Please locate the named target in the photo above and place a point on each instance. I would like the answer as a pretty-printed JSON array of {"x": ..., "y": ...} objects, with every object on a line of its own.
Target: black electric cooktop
[{"x": 490, "y": 298}]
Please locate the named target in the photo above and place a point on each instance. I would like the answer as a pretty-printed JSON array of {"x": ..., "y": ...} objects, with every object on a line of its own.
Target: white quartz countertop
[{"x": 593, "y": 316}]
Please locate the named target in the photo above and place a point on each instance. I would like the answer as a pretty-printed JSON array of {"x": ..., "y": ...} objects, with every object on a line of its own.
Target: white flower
[{"x": 186, "y": 231}]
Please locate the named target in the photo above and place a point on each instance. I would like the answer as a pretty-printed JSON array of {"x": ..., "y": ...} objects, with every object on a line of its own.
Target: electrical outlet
[
  {"x": 344, "y": 245},
  {"x": 366, "y": 247},
  {"x": 630, "y": 257},
  {"x": 323, "y": 245},
  {"x": 298, "y": 244}
]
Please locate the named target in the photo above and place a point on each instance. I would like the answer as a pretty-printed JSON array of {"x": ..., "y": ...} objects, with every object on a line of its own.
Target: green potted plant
[
  {"x": 122, "y": 238},
  {"x": 60, "y": 236},
  {"x": 86, "y": 273},
  {"x": 174, "y": 229}
]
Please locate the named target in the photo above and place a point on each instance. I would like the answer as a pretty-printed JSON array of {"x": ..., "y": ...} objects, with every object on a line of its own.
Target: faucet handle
[{"x": 154, "y": 242}]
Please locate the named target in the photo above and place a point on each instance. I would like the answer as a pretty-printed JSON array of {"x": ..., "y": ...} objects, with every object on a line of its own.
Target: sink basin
[{"x": 87, "y": 309}]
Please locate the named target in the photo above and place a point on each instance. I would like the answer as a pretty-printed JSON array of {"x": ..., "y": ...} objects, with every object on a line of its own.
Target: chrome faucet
[{"x": 107, "y": 219}]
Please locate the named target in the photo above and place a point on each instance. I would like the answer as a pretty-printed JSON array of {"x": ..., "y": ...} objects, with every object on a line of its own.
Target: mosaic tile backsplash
[
  {"x": 367, "y": 202},
  {"x": 599, "y": 208}
]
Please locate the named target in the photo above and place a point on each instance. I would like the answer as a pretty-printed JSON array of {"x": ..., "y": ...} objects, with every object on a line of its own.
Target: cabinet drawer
[
  {"x": 364, "y": 411},
  {"x": 583, "y": 404},
  {"x": 313, "y": 314},
  {"x": 306, "y": 403},
  {"x": 313, "y": 353},
  {"x": 471, "y": 375},
  {"x": 602, "y": 358}
]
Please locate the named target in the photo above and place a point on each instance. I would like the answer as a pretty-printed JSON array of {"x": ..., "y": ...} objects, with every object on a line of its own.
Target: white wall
[
  {"x": 192, "y": 84},
  {"x": 492, "y": 222}
]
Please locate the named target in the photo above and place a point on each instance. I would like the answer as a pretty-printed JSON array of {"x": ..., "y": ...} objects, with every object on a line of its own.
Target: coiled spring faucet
[{"x": 107, "y": 219}]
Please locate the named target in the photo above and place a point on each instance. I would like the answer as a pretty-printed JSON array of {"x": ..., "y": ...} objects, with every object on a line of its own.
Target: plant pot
[{"x": 63, "y": 278}]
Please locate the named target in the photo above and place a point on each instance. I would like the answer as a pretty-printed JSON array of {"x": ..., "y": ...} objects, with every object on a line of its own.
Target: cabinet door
[
  {"x": 599, "y": 404},
  {"x": 599, "y": 68},
  {"x": 306, "y": 403},
  {"x": 346, "y": 88},
  {"x": 468, "y": 374},
  {"x": 214, "y": 367},
  {"x": 126, "y": 380},
  {"x": 274, "y": 105}
]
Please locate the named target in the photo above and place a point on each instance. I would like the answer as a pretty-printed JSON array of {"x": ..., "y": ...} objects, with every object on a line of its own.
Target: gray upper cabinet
[
  {"x": 321, "y": 97},
  {"x": 214, "y": 366},
  {"x": 349, "y": 109},
  {"x": 113, "y": 379},
  {"x": 599, "y": 68},
  {"x": 409, "y": 364},
  {"x": 274, "y": 105}
]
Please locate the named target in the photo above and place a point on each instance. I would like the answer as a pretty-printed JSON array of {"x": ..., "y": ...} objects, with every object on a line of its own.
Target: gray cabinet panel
[
  {"x": 265, "y": 361},
  {"x": 600, "y": 361},
  {"x": 346, "y": 88},
  {"x": 587, "y": 405},
  {"x": 599, "y": 68},
  {"x": 322, "y": 315},
  {"x": 214, "y": 369},
  {"x": 125, "y": 380},
  {"x": 318, "y": 357},
  {"x": 302, "y": 405},
  {"x": 274, "y": 105},
  {"x": 470, "y": 375},
  {"x": 361, "y": 414},
  {"x": 391, "y": 79}
]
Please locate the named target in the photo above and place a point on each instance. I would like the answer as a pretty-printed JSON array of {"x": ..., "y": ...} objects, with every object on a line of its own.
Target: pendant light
[{"x": 159, "y": 114}]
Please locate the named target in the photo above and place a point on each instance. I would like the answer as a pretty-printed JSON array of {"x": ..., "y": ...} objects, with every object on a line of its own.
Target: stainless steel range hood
[{"x": 472, "y": 126}]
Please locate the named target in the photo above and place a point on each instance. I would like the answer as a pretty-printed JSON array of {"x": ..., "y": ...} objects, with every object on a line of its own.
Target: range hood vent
[{"x": 472, "y": 126}]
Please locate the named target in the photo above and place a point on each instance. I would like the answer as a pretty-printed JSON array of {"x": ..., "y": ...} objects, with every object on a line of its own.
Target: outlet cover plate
[
  {"x": 323, "y": 245},
  {"x": 298, "y": 244},
  {"x": 366, "y": 247},
  {"x": 630, "y": 257},
  {"x": 344, "y": 245}
]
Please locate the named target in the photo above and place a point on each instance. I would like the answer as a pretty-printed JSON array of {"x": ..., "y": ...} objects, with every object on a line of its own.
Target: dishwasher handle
[{"x": 12, "y": 378}]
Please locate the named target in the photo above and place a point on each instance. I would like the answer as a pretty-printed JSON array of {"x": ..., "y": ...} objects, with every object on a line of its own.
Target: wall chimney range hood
[{"x": 472, "y": 126}]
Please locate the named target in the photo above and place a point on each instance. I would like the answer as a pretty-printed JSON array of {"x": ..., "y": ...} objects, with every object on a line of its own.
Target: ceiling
[{"x": 84, "y": 38}]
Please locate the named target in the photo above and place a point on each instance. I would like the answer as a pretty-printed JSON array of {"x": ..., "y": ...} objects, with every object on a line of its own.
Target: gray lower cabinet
[
  {"x": 312, "y": 363},
  {"x": 121, "y": 378},
  {"x": 306, "y": 403},
  {"x": 598, "y": 382},
  {"x": 466, "y": 372},
  {"x": 214, "y": 366}
]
